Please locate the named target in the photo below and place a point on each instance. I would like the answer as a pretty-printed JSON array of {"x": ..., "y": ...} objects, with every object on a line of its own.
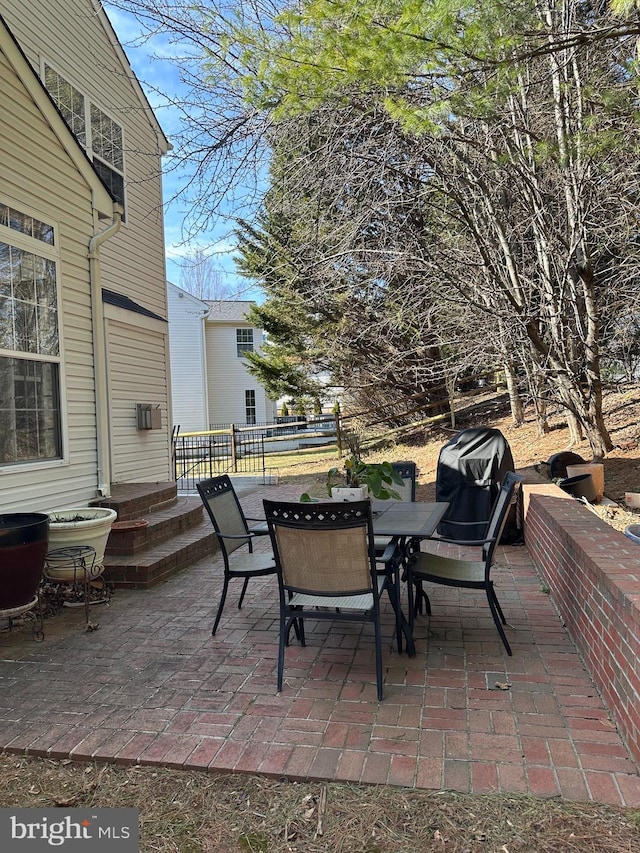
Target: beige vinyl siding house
[
  {"x": 40, "y": 178},
  {"x": 112, "y": 355},
  {"x": 144, "y": 345}
]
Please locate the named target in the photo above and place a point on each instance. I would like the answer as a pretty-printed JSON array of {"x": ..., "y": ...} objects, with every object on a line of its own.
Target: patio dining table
[{"x": 406, "y": 521}]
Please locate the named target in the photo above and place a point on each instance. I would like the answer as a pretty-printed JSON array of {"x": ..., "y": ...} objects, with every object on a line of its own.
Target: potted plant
[
  {"x": 73, "y": 526},
  {"x": 362, "y": 480}
]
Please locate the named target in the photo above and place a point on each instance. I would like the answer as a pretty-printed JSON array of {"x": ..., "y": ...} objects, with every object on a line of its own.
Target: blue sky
[{"x": 158, "y": 76}]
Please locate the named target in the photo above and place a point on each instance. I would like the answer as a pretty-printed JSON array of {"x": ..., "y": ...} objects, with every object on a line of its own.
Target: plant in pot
[
  {"x": 76, "y": 526},
  {"x": 361, "y": 481}
]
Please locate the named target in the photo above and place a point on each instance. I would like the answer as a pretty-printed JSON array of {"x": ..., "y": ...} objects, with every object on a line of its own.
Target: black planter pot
[
  {"x": 580, "y": 486},
  {"x": 23, "y": 547},
  {"x": 559, "y": 461}
]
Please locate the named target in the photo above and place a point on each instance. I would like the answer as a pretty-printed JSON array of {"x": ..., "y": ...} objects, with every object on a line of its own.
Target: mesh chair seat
[
  {"x": 441, "y": 567},
  {"x": 363, "y": 601},
  {"x": 250, "y": 563}
]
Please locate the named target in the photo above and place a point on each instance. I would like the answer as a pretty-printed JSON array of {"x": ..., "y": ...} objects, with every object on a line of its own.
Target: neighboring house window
[
  {"x": 99, "y": 134},
  {"x": 250, "y": 406},
  {"x": 29, "y": 340},
  {"x": 244, "y": 341}
]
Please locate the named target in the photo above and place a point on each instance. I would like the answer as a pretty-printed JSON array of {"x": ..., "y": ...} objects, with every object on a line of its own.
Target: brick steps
[
  {"x": 156, "y": 563},
  {"x": 133, "y": 500},
  {"x": 176, "y": 534},
  {"x": 162, "y": 524}
]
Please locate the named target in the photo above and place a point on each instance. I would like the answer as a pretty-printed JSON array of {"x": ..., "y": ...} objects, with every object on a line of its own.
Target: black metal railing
[
  {"x": 233, "y": 449},
  {"x": 198, "y": 456}
]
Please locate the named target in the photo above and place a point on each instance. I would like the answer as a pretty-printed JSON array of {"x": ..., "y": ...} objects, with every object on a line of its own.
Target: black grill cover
[{"x": 470, "y": 469}]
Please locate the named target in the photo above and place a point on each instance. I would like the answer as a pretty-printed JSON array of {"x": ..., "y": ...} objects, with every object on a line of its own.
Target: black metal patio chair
[
  {"x": 234, "y": 536},
  {"x": 468, "y": 574},
  {"x": 326, "y": 566},
  {"x": 407, "y": 491}
]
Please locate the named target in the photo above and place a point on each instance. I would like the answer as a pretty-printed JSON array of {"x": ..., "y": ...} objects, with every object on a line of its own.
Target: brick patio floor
[{"x": 153, "y": 686}]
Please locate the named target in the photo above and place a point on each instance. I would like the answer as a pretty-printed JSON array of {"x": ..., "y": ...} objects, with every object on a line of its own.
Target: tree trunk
[{"x": 515, "y": 401}]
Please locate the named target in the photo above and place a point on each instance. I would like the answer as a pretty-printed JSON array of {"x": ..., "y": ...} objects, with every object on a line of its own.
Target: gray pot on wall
[{"x": 580, "y": 486}]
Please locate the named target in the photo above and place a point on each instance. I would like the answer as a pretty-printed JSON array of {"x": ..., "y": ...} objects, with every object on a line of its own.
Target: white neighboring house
[
  {"x": 189, "y": 394},
  {"x": 83, "y": 304},
  {"x": 209, "y": 378},
  {"x": 235, "y": 396}
]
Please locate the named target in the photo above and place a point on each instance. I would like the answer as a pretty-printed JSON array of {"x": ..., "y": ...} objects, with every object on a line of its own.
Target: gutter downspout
[
  {"x": 100, "y": 353},
  {"x": 205, "y": 367}
]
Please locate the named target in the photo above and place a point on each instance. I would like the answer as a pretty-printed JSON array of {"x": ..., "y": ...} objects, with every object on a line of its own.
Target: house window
[
  {"x": 29, "y": 346},
  {"x": 99, "y": 134},
  {"x": 244, "y": 341},
  {"x": 23, "y": 224},
  {"x": 250, "y": 406}
]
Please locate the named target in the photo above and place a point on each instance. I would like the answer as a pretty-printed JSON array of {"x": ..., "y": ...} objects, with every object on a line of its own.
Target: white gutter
[
  {"x": 100, "y": 353},
  {"x": 205, "y": 367}
]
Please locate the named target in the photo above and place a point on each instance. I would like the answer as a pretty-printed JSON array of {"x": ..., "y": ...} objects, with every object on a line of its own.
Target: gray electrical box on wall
[{"x": 148, "y": 416}]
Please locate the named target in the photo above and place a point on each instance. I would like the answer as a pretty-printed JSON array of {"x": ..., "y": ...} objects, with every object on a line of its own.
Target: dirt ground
[
  {"x": 192, "y": 812},
  {"x": 621, "y": 465},
  {"x": 530, "y": 451}
]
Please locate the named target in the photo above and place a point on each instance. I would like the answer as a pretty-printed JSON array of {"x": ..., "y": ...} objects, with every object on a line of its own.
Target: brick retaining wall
[{"x": 593, "y": 574}]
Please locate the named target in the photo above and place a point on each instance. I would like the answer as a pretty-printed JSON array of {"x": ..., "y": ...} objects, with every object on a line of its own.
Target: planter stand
[
  {"x": 31, "y": 611},
  {"x": 82, "y": 559}
]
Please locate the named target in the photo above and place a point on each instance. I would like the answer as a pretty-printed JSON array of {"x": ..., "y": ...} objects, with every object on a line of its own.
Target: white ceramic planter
[
  {"x": 341, "y": 493},
  {"x": 86, "y": 525}
]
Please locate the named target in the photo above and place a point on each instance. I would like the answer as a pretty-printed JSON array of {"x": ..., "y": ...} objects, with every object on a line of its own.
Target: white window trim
[
  {"x": 247, "y": 406},
  {"x": 88, "y": 101},
  {"x": 51, "y": 252},
  {"x": 248, "y": 345}
]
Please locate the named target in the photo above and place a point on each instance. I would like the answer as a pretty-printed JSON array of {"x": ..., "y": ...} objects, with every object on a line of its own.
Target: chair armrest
[
  {"x": 249, "y": 535},
  {"x": 472, "y": 542},
  {"x": 464, "y": 523},
  {"x": 261, "y": 528},
  {"x": 389, "y": 552}
]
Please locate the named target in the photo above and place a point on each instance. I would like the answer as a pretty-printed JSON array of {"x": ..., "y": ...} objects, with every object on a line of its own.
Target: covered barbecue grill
[{"x": 470, "y": 469}]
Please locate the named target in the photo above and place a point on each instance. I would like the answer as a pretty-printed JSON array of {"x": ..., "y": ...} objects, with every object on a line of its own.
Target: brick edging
[{"x": 593, "y": 574}]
